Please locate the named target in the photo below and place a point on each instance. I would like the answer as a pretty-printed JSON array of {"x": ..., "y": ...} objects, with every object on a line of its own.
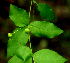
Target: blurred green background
[{"x": 60, "y": 43}]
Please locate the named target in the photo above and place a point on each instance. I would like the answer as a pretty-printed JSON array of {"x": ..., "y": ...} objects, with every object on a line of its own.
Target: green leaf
[
  {"x": 29, "y": 60},
  {"x": 19, "y": 16},
  {"x": 46, "y": 11},
  {"x": 24, "y": 53},
  {"x": 15, "y": 59},
  {"x": 42, "y": 28},
  {"x": 48, "y": 56},
  {"x": 18, "y": 39}
]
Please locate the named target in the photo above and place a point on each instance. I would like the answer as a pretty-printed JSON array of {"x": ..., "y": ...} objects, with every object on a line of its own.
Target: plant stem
[{"x": 28, "y": 26}]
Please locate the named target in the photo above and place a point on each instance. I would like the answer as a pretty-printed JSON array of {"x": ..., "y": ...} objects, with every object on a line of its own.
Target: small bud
[
  {"x": 9, "y": 34},
  {"x": 27, "y": 30}
]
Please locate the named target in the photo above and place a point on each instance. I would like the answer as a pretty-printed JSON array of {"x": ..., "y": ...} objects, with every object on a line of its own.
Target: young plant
[{"x": 16, "y": 46}]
